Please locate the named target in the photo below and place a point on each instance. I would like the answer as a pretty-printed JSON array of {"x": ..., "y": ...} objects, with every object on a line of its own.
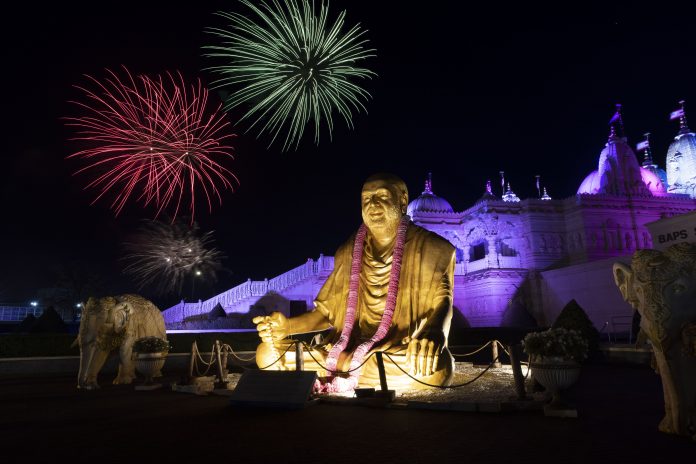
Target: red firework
[{"x": 153, "y": 140}]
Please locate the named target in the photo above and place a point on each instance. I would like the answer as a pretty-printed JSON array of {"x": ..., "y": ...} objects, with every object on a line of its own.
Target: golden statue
[{"x": 390, "y": 291}]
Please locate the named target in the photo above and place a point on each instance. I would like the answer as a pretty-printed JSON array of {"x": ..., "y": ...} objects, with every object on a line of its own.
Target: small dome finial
[
  {"x": 510, "y": 196},
  {"x": 616, "y": 127},
  {"x": 683, "y": 128},
  {"x": 545, "y": 196},
  {"x": 645, "y": 146},
  {"x": 429, "y": 184}
]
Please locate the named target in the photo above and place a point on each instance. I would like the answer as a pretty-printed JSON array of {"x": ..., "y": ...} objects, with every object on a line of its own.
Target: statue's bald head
[
  {"x": 391, "y": 181},
  {"x": 384, "y": 199}
]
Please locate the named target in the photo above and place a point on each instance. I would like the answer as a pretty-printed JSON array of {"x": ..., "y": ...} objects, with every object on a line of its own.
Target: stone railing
[
  {"x": 18, "y": 313},
  {"x": 473, "y": 266},
  {"x": 248, "y": 289},
  {"x": 509, "y": 262}
]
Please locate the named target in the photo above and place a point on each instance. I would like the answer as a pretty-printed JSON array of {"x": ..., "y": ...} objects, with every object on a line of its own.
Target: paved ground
[{"x": 46, "y": 419}]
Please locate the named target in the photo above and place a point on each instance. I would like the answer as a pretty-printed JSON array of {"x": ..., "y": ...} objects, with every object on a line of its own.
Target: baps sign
[
  {"x": 675, "y": 229},
  {"x": 676, "y": 236}
]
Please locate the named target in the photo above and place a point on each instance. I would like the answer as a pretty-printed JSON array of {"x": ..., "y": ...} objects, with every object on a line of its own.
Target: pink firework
[{"x": 153, "y": 140}]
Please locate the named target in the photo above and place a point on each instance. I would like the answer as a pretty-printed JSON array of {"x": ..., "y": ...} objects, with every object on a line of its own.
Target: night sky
[{"x": 462, "y": 91}]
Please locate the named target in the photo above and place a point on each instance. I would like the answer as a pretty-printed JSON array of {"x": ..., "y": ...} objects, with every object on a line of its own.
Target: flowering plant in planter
[
  {"x": 559, "y": 342},
  {"x": 151, "y": 345}
]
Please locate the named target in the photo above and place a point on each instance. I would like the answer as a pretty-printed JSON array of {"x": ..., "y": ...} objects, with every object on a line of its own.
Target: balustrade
[{"x": 250, "y": 288}]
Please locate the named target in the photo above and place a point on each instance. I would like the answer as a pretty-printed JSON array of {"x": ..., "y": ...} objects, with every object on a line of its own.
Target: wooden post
[
  {"x": 299, "y": 358},
  {"x": 194, "y": 349},
  {"x": 224, "y": 358},
  {"x": 515, "y": 355},
  {"x": 221, "y": 370},
  {"x": 494, "y": 351}
]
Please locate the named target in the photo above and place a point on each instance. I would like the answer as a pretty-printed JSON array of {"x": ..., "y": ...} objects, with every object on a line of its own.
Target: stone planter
[
  {"x": 150, "y": 364},
  {"x": 555, "y": 374}
]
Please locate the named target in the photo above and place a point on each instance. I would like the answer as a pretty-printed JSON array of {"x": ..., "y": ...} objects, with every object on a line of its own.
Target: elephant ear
[
  {"x": 623, "y": 277},
  {"x": 122, "y": 313}
]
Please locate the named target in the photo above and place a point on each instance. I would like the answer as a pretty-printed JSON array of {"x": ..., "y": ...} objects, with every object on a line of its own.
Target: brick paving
[{"x": 47, "y": 419}]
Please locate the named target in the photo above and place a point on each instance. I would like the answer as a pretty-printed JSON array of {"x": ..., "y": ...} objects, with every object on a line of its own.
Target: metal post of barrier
[
  {"x": 515, "y": 355},
  {"x": 494, "y": 352},
  {"x": 299, "y": 358},
  {"x": 384, "y": 392}
]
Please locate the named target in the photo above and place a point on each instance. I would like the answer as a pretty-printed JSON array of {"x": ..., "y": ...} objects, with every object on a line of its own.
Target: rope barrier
[
  {"x": 309, "y": 351},
  {"x": 443, "y": 387},
  {"x": 474, "y": 352},
  {"x": 228, "y": 349}
]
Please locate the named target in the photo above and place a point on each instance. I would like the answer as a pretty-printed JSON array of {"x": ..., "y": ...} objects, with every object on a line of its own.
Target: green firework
[{"x": 290, "y": 68}]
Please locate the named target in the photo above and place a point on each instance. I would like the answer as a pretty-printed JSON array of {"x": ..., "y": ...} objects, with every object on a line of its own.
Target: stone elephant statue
[
  {"x": 661, "y": 286},
  {"x": 111, "y": 323}
]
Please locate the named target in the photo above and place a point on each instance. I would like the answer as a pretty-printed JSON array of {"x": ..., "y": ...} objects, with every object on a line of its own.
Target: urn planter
[
  {"x": 149, "y": 364},
  {"x": 555, "y": 374}
]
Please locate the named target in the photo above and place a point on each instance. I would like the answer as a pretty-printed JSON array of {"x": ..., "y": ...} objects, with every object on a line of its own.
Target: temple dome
[
  {"x": 651, "y": 180},
  {"x": 681, "y": 163},
  {"x": 428, "y": 202},
  {"x": 618, "y": 172}
]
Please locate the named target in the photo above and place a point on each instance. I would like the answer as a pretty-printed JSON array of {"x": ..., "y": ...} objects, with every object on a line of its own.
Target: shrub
[
  {"x": 151, "y": 345},
  {"x": 560, "y": 342},
  {"x": 573, "y": 317}
]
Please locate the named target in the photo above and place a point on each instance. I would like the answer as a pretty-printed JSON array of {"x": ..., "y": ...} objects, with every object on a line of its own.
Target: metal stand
[
  {"x": 299, "y": 358},
  {"x": 384, "y": 391}
]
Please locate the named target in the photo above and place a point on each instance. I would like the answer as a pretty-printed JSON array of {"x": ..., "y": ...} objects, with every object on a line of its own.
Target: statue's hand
[
  {"x": 272, "y": 328},
  {"x": 422, "y": 356}
]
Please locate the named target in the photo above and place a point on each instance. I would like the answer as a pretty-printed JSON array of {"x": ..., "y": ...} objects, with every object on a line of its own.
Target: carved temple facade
[{"x": 520, "y": 261}]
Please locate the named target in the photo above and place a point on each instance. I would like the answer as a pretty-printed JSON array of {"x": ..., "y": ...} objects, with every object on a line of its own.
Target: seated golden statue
[{"x": 390, "y": 291}]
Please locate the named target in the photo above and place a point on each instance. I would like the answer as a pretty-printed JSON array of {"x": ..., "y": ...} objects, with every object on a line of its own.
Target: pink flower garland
[{"x": 337, "y": 384}]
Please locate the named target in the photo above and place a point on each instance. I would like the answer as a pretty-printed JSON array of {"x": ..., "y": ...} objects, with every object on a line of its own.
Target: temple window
[{"x": 478, "y": 251}]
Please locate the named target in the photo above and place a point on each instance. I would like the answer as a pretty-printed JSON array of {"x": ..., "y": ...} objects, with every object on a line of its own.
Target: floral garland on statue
[{"x": 334, "y": 383}]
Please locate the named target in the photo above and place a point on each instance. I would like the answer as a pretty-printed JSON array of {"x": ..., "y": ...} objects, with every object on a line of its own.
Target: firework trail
[
  {"x": 163, "y": 256},
  {"x": 291, "y": 67},
  {"x": 156, "y": 141}
]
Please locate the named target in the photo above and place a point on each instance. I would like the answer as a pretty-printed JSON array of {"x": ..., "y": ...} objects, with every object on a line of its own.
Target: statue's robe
[{"x": 423, "y": 307}]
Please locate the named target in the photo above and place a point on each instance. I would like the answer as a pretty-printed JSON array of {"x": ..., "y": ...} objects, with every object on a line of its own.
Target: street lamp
[{"x": 34, "y": 303}]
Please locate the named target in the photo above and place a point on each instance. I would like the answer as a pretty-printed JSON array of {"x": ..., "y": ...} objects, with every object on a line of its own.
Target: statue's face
[{"x": 383, "y": 205}]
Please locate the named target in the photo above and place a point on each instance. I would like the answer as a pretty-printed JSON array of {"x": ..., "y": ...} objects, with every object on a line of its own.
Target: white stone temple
[{"x": 519, "y": 262}]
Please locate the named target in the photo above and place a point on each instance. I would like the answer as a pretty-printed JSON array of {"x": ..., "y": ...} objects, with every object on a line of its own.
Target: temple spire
[
  {"x": 616, "y": 126},
  {"x": 683, "y": 128},
  {"x": 489, "y": 189},
  {"x": 647, "y": 157},
  {"x": 429, "y": 184},
  {"x": 545, "y": 196}
]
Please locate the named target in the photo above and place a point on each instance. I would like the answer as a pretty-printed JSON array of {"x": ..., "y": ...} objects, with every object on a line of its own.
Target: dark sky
[{"x": 463, "y": 91}]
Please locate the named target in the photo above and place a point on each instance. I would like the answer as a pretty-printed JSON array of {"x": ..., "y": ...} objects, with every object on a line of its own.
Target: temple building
[{"x": 519, "y": 262}]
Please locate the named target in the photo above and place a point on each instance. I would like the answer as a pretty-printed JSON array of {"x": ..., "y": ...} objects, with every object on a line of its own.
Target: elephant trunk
[{"x": 87, "y": 351}]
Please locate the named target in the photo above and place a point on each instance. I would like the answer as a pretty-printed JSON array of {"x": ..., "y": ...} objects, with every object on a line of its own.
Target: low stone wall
[{"x": 70, "y": 365}]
